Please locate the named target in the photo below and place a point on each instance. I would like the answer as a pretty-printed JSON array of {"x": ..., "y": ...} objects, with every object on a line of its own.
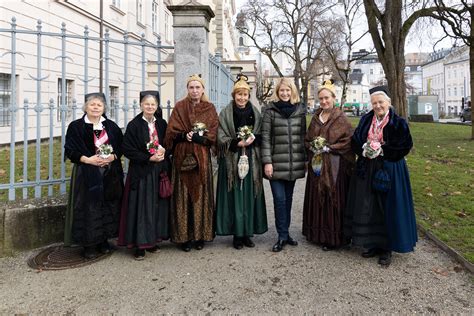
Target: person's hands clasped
[
  {"x": 247, "y": 142},
  {"x": 96, "y": 160},
  {"x": 159, "y": 156},
  {"x": 189, "y": 136}
]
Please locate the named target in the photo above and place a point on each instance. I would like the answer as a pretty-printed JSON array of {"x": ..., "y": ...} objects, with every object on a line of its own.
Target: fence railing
[
  {"x": 65, "y": 108},
  {"x": 220, "y": 82},
  {"x": 39, "y": 121}
]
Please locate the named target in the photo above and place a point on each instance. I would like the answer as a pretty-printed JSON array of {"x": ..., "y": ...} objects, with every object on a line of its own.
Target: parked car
[{"x": 466, "y": 114}]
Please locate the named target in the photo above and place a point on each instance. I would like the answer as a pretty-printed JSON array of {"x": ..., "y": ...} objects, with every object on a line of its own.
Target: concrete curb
[{"x": 450, "y": 251}]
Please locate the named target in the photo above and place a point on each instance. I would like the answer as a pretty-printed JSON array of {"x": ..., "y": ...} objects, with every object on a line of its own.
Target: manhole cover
[{"x": 60, "y": 257}]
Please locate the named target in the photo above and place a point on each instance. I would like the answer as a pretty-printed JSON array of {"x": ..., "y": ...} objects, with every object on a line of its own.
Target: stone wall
[{"x": 31, "y": 224}]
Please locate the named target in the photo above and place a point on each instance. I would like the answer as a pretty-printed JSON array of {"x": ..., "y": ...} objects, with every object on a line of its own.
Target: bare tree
[
  {"x": 457, "y": 22},
  {"x": 281, "y": 28},
  {"x": 389, "y": 24},
  {"x": 339, "y": 49},
  {"x": 264, "y": 88}
]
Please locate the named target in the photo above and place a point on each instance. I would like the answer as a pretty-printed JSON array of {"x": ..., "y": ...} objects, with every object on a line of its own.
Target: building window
[
  {"x": 462, "y": 91},
  {"x": 5, "y": 99},
  {"x": 69, "y": 96},
  {"x": 154, "y": 16},
  {"x": 449, "y": 92},
  {"x": 371, "y": 71},
  {"x": 241, "y": 41},
  {"x": 455, "y": 91},
  {"x": 167, "y": 26},
  {"x": 139, "y": 11},
  {"x": 116, "y": 3},
  {"x": 114, "y": 100}
]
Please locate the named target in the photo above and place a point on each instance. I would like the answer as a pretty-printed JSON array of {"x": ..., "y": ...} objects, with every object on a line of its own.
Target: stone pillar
[
  {"x": 235, "y": 70},
  {"x": 191, "y": 43}
]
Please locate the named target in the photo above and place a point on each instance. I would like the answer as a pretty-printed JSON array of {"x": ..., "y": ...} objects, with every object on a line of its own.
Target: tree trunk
[{"x": 471, "y": 68}]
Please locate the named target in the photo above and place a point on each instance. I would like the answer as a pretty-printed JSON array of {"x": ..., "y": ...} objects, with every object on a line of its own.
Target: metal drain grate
[{"x": 60, "y": 258}]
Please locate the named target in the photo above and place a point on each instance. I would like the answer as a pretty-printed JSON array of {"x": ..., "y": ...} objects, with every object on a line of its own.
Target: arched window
[{"x": 241, "y": 41}]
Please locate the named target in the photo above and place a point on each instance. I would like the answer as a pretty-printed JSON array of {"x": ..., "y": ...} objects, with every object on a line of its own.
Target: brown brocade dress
[
  {"x": 325, "y": 195},
  {"x": 192, "y": 203}
]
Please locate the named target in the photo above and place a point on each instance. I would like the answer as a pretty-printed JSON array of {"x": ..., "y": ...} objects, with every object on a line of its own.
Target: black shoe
[
  {"x": 153, "y": 249},
  {"x": 248, "y": 242},
  {"x": 328, "y": 248},
  {"x": 105, "y": 247},
  {"x": 279, "y": 245},
  {"x": 90, "y": 252},
  {"x": 291, "y": 241},
  {"x": 237, "y": 243},
  {"x": 139, "y": 254},
  {"x": 186, "y": 247},
  {"x": 372, "y": 252},
  {"x": 385, "y": 258},
  {"x": 199, "y": 245}
]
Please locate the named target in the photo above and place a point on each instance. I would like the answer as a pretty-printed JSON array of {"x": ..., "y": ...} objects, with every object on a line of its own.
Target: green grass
[
  {"x": 441, "y": 166},
  {"x": 442, "y": 176},
  {"x": 31, "y": 166}
]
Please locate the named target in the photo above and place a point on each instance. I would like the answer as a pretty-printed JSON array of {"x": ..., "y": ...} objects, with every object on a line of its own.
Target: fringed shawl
[
  {"x": 184, "y": 115},
  {"x": 226, "y": 133},
  {"x": 338, "y": 132}
]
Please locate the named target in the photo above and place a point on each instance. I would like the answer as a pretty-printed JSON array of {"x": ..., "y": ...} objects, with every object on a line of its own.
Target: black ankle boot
[
  {"x": 237, "y": 243},
  {"x": 105, "y": 247},
  {"x": 186, "y": 247},
  {"x": 278, "y": 246},
  {"x": 139, "y": 254},
  {"x": 90, "y": 252},
  {"x": 248, "y": 242}
]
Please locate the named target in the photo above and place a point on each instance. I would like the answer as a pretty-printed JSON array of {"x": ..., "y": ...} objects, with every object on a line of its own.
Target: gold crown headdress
[
  {"x": 195, "y": 77},
  {"x": 329, "y": 85},
  {"x": 241, "y": 83}
]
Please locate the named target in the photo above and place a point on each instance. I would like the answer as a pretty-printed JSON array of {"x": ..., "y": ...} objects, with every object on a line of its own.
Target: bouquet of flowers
[
  {"x": 153, "y": 145},
  {"x": 199, "y": 128},
  {"x": 372, "y": 149},
  {"x": 245, "y": 132},
  {"x": 104, "y": 151},
  {"x": 318, "y": 146}
]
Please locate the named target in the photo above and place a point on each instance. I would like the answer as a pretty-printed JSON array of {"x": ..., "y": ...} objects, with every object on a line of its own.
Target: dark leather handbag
[
  {"x": 189, "y": 163},
  {"x": 381, "y": 181},
  {"x": 166, "y": 190}
]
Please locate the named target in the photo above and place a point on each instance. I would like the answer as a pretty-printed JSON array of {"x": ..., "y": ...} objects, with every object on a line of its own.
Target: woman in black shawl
[
  {"x": 144, "y": 218},
  {"x": 93, "y": 144}
]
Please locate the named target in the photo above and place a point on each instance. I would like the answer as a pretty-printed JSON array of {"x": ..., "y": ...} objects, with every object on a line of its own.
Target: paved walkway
[{"x": 219, "y": 279}]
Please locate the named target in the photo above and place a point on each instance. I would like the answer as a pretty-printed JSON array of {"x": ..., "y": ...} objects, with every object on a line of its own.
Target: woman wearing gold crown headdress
[
  {"x": 328, "y": 143},
  {"x": 240, "y": 208},
  {"x": 192, "y": 132},
  {"x": 283, "y": 153}
]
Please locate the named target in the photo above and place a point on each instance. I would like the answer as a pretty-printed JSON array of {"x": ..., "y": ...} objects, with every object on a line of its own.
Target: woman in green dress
[{"x": 241, "y": 210}]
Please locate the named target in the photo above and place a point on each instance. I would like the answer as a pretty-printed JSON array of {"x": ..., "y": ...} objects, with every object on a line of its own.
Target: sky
[{"x": 422, "y": 36}]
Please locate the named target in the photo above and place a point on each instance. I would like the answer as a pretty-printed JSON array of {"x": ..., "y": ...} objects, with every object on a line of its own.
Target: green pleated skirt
[{"x": 239, "y": 211}]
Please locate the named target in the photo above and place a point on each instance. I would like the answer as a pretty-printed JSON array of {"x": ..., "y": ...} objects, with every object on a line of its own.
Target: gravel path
[{"x": 220, "y": 279}]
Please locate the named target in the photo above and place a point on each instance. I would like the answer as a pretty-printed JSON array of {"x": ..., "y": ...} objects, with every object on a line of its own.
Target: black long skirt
[{"x": 144, "y": 219}]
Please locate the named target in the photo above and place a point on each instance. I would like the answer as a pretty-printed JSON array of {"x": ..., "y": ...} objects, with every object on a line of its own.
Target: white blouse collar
[{"x": 98, "y": 126}]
